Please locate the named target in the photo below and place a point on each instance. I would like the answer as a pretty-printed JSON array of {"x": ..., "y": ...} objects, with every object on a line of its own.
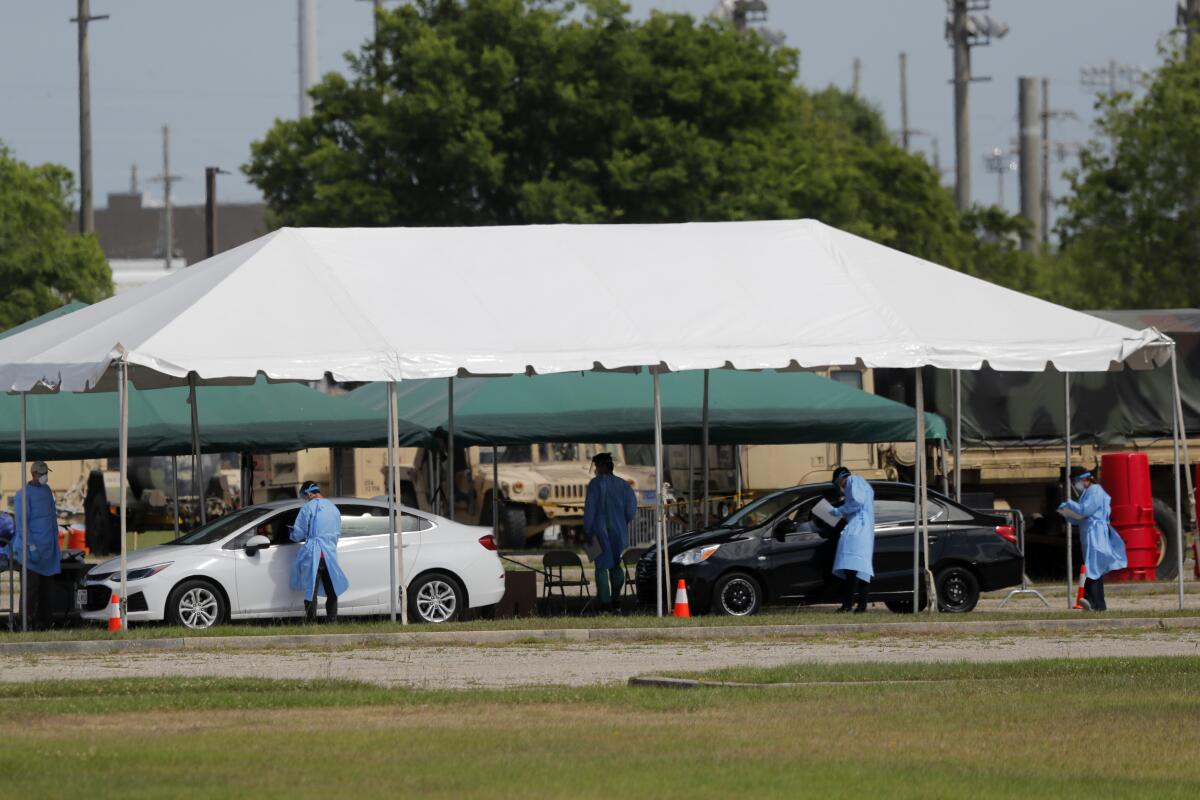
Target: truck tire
[
  {"x": 512, "y": 527},
  {"x": 1164, "y": 520}
]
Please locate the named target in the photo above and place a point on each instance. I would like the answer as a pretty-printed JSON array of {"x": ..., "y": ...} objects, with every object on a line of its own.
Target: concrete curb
[{"x": 581, "y": 635}]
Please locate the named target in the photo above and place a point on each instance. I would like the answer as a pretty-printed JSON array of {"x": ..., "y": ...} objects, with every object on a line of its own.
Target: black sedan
[{"x": 774, "y": 550}]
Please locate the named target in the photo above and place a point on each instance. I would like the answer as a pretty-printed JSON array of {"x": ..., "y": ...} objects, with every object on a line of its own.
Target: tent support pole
[
  {"x": 704, "y": 447},
  {"x": 958, "y": 436},
  {"x": 396, "y": 554},
  {"x": 123, "y": 450},
  {"x": 24, "y": 525},
  {"x": 197, "y": 470},
  {"x": 1067, "y": 478},
  {"x": 175, "y": 492},
  {"x": 691, "y": 486},
  {"x": 450, "y": 448},
  {"x": 1177, "y": 434},
  {"x": 660, "y": 538},
  {"x": 495, "y": 495},
  {"x": 945, "y": 471},
  {"x": 921, "y": 490}
]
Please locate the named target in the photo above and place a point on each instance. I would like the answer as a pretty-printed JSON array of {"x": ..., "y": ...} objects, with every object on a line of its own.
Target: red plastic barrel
[
  {"x": 77, "y": 540},
  {"x": 1126, "y": 478}
]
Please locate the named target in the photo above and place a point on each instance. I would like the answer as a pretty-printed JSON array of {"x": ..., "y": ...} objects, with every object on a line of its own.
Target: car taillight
[
  {"x": 1008, "y": 532},
  {"x": 488, "y": 542}
]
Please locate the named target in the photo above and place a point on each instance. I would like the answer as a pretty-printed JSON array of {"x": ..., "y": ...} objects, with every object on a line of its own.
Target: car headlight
[
  {"x": 141, "y": 572},
  {"x": 543, "y": 492},
  {"x": 695, "y": 555}
]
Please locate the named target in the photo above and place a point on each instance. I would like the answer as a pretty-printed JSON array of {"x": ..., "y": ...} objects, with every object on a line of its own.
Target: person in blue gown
[
  {"x": 856, "y": 546},
  {"x": 316, "y": 571},
  {"x": 1103, "y": 547},
  {"x": 43, "y": 559},
  {"x": 609, "y": 508}
]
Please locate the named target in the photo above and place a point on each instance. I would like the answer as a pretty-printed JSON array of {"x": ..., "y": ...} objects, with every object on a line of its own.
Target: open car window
[{"x": 277, "y": 528}]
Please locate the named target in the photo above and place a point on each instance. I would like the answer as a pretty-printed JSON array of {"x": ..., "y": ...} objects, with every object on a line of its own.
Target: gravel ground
[{"x": 581, "y": 664}]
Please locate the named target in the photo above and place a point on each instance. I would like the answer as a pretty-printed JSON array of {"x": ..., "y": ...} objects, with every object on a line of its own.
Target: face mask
[
  {"x": 1079, "y": 487},
  {"x": 42, "y": 480}
]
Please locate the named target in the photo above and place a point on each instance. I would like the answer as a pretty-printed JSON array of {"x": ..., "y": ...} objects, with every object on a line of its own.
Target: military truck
[{"x": 542, "y": 486}]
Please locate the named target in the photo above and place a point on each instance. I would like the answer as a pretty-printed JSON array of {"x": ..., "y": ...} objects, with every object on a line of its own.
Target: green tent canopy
[
  {"x": 263, "y": 418},
  {"x": 744, "y": 408}
]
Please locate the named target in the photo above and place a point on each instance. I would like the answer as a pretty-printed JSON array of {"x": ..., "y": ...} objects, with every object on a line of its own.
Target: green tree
[
  {"x": 470, "y": 112},
  {"x": 42, "y": 264},
  {"x": 1131, "y": 229}
]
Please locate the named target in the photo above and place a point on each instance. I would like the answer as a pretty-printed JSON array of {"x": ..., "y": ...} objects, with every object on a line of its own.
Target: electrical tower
[
  {"x": 1111, "y": 77},
  {"x": 964, "y": 30},
  {"x": 1000, "y": 162},
  {"x": 746, "y": 13},
  {"x": 1187, "y": 16}
]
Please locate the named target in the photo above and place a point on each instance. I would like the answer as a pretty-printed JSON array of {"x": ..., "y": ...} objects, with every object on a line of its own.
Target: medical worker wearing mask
[
  {"x": 856, "y": 547},
  {"x": 317, "y": 528},
  {"x": 1103, "y": 547},
  {"x": 43, "y": 558}
]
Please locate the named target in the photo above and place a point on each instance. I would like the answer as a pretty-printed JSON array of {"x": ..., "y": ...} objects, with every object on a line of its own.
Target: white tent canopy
[
  {"x": 392, "y": 304},
  {"x": 388, "y": 304}
]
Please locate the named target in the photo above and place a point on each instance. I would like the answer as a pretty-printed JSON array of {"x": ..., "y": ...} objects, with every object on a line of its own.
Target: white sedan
[{"x": 238, "y": 566}]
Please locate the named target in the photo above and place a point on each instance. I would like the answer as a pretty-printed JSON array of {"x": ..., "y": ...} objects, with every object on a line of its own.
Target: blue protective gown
[
  {"x": 1103, "y": 547},
  {"x": 44, "y": 555},
  {"x": 317, "y": 528},
  {"x": 857, "y": 543},
  {"x": 610, "y": 506},
  {"x": 6, "y": 533}
]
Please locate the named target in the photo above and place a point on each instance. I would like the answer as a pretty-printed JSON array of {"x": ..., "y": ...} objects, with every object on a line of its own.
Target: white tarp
[{"x": 399, "y": 303}]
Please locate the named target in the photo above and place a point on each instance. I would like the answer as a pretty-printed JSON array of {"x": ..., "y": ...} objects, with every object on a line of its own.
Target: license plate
[{"x": 81, "y": 598}]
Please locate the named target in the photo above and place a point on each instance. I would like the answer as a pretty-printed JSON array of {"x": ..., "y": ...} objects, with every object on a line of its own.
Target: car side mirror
[
  {"x": 255, "y": 543},
  {"x": 784, "y": 527}
]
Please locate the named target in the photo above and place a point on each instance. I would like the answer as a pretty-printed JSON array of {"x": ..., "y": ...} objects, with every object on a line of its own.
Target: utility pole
[
  {"x": 210, "y": 209},
  {"x": 307, "y": 17},
  {"x": 1187, "y": 16},
  {"x": 1048, "y": 114},
  {"x": 964, "y": 31},
  {"x": 1030, "y": 143},
  {"x": 857, "y": 80},
  {"x": 962, "y": 132},
  {"x": 166, "y": 179},
  {"x": 904, "y": 101},
  {"x": 87, "y": 218}
]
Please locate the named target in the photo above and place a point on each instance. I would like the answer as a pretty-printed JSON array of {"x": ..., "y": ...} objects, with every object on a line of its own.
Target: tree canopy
[
  {"x": 42, "y": 264},
  {"x": 477, "y": 112},
  {"x": 1131, "y": 227}
]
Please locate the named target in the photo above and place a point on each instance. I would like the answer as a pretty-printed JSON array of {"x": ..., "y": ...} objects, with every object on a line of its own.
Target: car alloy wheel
[
  {"x": 437, "y": 600},
  {"x": 958, "y": 590},
  {"x": 738, "y": 596},
  {"x": 199, "y": 607}
]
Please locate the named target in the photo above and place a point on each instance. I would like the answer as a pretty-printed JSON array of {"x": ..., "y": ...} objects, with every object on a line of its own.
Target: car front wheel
[
  {"x": 957, "y": 590},
  {"x": 435, "y": 598},
  {"x": 737, "y": 595},
  {"x": 196, "y": 604}
]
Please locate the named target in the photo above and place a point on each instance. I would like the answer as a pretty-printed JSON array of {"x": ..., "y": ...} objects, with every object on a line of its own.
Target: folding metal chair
[
  {"x": 629, "y": 561},
  {"x": 553, "y": 565}
]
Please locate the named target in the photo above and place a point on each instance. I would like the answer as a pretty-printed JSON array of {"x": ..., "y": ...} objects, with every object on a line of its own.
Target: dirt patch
[{"x": 583, "y": 663}]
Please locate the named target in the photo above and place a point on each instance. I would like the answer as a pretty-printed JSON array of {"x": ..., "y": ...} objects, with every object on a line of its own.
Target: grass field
[
  {"x": 1107, "y": 728},
  {"x": 643, "y": 621}
]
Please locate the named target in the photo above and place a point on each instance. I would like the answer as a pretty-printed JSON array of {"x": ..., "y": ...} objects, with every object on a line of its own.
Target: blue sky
[{"x": 220, "y": 71}]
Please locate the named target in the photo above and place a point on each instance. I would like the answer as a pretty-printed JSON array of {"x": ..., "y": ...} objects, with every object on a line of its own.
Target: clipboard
[{"x": 823, "y": 511}]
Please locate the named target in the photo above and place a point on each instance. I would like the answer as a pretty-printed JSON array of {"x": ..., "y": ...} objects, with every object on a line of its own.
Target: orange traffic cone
[
  {"x": 114, "y": 613},
  {"x": 681, "y": 603},
  {"x": 1079, "y": 594}
]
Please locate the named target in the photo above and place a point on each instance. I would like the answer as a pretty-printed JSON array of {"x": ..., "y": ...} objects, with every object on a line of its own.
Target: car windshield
[
  {"x": 761, "y": 510},
  {"x": 220, "y": 527}
]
